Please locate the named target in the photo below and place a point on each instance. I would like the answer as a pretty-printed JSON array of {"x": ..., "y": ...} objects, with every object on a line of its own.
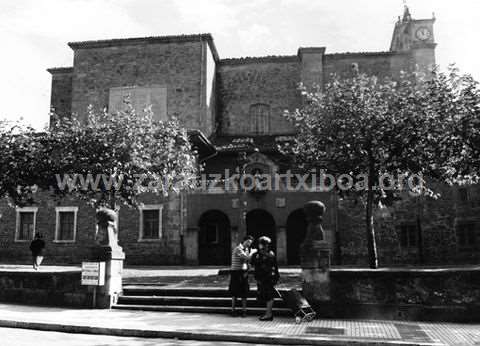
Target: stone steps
[
  {"x": 200, "y": 309},
  {"x": 189, "y": 301},
  {"x": 194, "y": 300}
]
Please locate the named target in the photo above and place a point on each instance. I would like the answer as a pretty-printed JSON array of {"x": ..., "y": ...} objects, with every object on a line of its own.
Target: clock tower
[{"x": 415, "y": 36}]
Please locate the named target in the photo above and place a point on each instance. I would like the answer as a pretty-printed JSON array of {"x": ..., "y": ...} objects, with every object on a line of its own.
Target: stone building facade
[{"x": 238, "y": 104}]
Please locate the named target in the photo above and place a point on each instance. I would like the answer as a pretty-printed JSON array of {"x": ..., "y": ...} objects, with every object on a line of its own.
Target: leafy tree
[
  {"x": 413, "y": 127},
  {"x": 108, "y": 160},
  {"x": 18, "y": 153}
]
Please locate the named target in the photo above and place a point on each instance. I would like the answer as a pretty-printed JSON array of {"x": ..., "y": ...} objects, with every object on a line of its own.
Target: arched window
[{"x": 260, "y": 119}]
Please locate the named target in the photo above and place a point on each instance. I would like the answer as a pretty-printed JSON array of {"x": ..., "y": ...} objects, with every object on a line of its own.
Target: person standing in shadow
[
  {"x": 36, "y": 247},
  {"x": 266, "y": 274}
]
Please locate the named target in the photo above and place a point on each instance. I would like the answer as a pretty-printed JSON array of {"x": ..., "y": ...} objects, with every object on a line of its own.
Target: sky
[{"x": 34, "y": 33}]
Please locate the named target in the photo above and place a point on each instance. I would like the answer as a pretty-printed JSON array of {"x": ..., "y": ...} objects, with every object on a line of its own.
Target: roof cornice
[{"x": 140, "y": 40}]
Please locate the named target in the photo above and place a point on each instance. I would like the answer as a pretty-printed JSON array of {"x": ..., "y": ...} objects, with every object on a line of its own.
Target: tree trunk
[
  {"x": 421, "y": 257},
  {"x": 338, "y": 240},
  {"x": 371, "y": 243}
]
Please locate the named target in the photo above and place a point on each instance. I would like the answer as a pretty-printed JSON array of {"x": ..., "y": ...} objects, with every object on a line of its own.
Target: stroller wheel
[{"x": 298, "y": 320}]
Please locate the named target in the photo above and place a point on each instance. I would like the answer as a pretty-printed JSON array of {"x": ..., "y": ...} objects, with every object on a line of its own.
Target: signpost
[{"x": 93, "y": 274}]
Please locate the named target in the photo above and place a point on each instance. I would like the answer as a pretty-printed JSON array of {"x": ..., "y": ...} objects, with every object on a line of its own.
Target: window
[
  {"x": 408, "y": 235},
  {"x": 26, "y": 223},
  {"x": 211, "y": 232},
  {"x": 150, "y": 222},
  {"x": 463, "y": 195},
  {"x": 260, "y": 119},
  {"x": 466, "y": 236},
  {"x": 66, "y": 224}
]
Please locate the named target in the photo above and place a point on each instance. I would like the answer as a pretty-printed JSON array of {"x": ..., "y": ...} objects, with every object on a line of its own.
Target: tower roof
[{"x": 406, "y": 14}]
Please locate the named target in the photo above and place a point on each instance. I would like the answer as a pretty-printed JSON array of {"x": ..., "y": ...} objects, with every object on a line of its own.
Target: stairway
[{"x": 194, "y": 300}]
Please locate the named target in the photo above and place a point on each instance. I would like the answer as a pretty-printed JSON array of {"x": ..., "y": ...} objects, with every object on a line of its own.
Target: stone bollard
[
  {"x": 112, "y": 254},
  {"x": 315, "y": 255}
]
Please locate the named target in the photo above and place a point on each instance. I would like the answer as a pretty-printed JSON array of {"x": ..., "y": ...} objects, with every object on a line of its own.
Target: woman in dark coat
[
  {"x": 36, "y": 247},
  {"x": 266, "y": 274}
]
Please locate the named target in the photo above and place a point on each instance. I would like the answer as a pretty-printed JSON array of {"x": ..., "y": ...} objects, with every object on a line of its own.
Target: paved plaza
[{"x": 222, "y": 328}]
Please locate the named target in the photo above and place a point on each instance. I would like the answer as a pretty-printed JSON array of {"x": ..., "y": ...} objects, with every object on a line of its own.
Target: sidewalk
[{"x": 226, "y": 328}]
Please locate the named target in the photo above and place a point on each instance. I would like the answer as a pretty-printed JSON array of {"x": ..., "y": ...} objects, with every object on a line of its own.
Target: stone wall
[
  {"x": 179, "y": 65},
  {"x": 382, "y": 64},
  {"x": 242, "y": 83},
  {"x": 45, "y": 288},
  {"x": 61, "y": 94},
  {"x": 59, "y": 253},
  {"x": 447, "y": 294},
  {"x": 437, "y": 241},
  {"x": 166, "y": 250}
]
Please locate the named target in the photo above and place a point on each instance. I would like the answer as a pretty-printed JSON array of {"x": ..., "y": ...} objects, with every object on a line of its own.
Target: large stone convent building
[{"x": 235, "y": 105}]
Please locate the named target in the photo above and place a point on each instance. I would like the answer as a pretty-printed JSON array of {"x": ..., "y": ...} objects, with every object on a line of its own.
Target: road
[{"x": 26, "y": 337}]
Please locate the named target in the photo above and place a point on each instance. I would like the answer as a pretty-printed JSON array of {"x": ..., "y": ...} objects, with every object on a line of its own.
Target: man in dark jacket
[{"x": 37, "y": 246}]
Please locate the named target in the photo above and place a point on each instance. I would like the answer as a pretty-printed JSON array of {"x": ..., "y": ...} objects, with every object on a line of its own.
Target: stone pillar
[
  {"x": 315, "y": 255},
  {"x": 191, "y": 245},
  {"x": 107, "y": 295},
  {"x": 112, "y": 254},
  {"x": 235, "y": 237},
  {"x": 282, "y": 245}
]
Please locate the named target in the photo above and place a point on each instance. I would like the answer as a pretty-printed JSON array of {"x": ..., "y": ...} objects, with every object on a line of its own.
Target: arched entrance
[
  {"x": 261, "y": 223},
  {"x": 296, "y": 230},
  {"x": 214, "y": 245}
]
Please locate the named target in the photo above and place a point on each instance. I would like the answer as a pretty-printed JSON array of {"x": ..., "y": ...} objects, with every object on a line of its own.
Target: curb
[{"x": 207, "y": 336}]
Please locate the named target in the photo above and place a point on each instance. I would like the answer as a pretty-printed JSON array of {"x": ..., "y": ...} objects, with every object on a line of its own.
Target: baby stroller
[{"x": 300, "y": 307}]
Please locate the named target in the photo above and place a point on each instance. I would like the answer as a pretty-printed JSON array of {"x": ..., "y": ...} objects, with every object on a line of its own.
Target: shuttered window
[{"x": 260, "y": 119}]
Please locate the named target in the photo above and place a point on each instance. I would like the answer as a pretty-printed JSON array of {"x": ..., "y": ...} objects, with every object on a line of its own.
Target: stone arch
[
  {"x": 261, "y": 223},
  {"x": 214, "y": 238},
  {"x": 296, "y": 231}
]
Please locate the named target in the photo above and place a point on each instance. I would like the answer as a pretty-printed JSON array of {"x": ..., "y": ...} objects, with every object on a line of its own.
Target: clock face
[{"x": 423, "y": 33}]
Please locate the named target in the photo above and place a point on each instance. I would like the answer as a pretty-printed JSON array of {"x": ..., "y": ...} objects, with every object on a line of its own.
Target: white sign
[{"x": 93, "y": 273}]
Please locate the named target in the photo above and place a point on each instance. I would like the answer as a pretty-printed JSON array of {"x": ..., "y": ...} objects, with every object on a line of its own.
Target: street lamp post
[{"x": 242, "y": 162}]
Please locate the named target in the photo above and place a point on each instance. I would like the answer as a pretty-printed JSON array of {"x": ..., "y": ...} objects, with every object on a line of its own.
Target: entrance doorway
[
  {"x": 261, "y": 223},
  {"x": 296, "y": 231},
  {"x": 214, "y": 244}
]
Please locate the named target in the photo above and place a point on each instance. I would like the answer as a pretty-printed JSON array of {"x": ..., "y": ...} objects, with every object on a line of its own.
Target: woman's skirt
[
  {"x": 239, "y": 286},
  {"x": 265, "y": 291}
]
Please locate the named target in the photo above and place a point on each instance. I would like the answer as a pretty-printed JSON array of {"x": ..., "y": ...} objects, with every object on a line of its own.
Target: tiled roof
[
  {"x": 142, "y": 40},
  {"x": 361, "y": 54},
  {"x": 245, "y": 143},
  {"x": 259, "y": 59},
  {"x": 53, "y": 70}
]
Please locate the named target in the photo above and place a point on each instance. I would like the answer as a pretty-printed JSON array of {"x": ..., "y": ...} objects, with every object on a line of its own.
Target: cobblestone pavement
[{"x": 378, "y": 331}]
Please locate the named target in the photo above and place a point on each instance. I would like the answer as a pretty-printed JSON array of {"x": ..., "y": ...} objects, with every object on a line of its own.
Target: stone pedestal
[
  {"x": 112, "y": 254},
  {"x": 191, "y": 245},
  {"x": 316, "y": 272},
  {"x": 107, "y": 295},
  {"x": 282, "y": 245},
  {"x": 315, "y": 255}
]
